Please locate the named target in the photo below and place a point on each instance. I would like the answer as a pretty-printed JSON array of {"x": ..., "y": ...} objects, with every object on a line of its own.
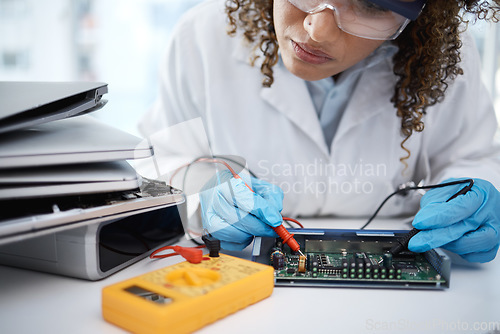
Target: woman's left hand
[{"x": 468, "y": 225}]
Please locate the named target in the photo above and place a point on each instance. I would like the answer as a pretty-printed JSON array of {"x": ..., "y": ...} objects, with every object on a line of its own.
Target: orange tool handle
[
  {"x": 280, "y": 230},
  {"x": 287, "y": 237}
]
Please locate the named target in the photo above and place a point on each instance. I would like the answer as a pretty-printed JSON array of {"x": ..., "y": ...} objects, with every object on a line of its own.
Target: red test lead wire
[
  {"x": 280, "y": 230},
  {"x": 191, "y": 254},
  {"x": 287, "y": 238}
]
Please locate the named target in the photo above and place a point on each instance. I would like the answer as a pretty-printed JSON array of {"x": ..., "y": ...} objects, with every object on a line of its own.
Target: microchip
[
  {"x": 405, "y": 255},
  {"x": 351, "y": 262},
  {"x": 408, "y": 267}
]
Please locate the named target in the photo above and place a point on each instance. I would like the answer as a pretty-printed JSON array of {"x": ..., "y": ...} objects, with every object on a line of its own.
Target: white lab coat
[{"x": 206, "y": 75}]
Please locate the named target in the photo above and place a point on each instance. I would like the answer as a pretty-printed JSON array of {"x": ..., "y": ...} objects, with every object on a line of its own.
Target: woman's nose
[{"x": 322, "y": 26}]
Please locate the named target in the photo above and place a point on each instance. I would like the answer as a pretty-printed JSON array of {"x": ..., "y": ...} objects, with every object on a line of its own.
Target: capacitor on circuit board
[
  {"x": 302, "y": 264},
  {"x": 278, "y": 259},
  {"x": 387, "y": 260}
]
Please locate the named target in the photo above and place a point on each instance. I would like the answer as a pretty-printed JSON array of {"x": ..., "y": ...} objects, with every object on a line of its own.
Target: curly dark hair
[{"x": 427, "y": 60}]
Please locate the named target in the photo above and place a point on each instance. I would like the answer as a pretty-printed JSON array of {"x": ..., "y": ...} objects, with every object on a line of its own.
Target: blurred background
[{"x": 121, "y": 42}]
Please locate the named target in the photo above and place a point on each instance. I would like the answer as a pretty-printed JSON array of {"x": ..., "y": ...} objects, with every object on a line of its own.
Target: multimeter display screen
[
  {"x": 133, "y": 236},
  {"x": 149, "y": 295}
]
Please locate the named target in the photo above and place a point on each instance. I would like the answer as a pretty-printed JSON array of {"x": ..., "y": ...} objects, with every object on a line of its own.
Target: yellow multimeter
[{"x": 185, "y": 297}]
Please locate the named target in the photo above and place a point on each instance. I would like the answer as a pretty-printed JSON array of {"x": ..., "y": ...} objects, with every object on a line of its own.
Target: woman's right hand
[{"x": 234, "y": 214}]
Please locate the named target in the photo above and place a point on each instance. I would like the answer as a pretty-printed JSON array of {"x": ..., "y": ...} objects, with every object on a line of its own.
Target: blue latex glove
[
  {"x": 468, "y": 225},
  {"x": 234, "y": 214}
]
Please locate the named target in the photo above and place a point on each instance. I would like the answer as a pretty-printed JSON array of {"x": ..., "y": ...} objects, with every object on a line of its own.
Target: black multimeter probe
[{"x": 402, "y": 243}]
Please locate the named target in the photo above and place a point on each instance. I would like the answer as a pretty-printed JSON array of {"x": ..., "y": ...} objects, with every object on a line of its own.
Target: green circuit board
[
  {"x": 361, "y": 263},
  {"x": 358, "y": 266}
]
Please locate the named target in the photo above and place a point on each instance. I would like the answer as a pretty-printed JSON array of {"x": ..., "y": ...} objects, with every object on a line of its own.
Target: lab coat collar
[
  {"x": 242, "y": 50},
  {"x": 362, "y": 107},
  {"x": 375, "y": 68},
  {"x": 289, "y": 95},
  {"x": 286, "y": 95}
]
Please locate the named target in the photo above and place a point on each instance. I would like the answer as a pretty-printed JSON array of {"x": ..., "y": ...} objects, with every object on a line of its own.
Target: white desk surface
[{"x": 34, "y": 302}]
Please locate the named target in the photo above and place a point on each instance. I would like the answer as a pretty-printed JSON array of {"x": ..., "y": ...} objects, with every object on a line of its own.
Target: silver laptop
[
  {"x": 25, "y": 218},
  {"x": 69, "y": 141},
  {"x": 91, "y": 236},
  {"x": 24, "y": 104},
  {"x": 68, "y": 180},
  {"x": 65, "y": 185}
]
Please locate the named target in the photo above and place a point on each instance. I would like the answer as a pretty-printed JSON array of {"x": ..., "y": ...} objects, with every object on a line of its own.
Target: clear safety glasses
[{"x": 360, "y": 18}]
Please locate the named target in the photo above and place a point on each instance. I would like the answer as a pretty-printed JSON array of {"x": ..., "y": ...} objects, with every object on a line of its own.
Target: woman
[{"x": 327, "y": 102}]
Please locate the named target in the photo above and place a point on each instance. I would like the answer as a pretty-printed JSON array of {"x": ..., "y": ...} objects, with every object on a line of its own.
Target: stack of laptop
[{"x": 62, "y": 169}]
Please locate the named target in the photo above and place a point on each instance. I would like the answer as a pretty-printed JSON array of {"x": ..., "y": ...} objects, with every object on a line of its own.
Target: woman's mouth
[{"x": 310, "y": 55}]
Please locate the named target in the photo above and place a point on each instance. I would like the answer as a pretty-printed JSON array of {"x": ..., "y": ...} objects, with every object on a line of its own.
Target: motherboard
[{"x": 353, "y": 258}]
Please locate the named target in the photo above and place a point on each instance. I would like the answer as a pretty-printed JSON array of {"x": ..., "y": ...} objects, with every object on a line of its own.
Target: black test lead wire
[{"x": 402, "y": 243}]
